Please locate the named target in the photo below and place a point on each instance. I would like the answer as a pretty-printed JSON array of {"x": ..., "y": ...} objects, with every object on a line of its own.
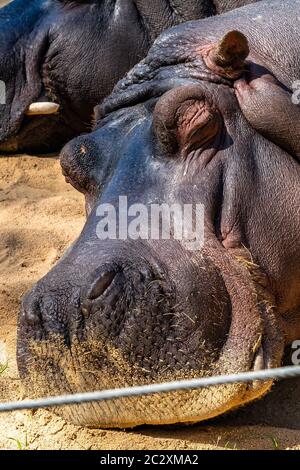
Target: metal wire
[{"x": 79, "y": 398}]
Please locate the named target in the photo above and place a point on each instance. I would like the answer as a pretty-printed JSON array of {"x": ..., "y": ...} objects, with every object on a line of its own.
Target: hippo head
[
  {"x": 58, "y": 59},
  {"x": 138, "y": 309}
]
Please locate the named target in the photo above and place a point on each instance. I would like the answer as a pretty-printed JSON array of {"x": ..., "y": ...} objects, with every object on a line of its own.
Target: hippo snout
[
  {"x": 100, "y": 303},
  {"x": 106, "y": 324}
]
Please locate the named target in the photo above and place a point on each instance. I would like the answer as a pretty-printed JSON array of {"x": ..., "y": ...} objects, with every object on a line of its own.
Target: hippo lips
[
  {"x": 25, "y": 140},
  {"x": 12, "y": 144},
  {"x": 266, "y": 341},
  {"x": 26, "y": 124},
  {"x": 130, "y": 413}
]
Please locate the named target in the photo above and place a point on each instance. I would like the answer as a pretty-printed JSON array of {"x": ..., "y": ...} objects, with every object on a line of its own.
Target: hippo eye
[
  {"x": 197, "y": 124},
  {"x": 186, "y": 119}
]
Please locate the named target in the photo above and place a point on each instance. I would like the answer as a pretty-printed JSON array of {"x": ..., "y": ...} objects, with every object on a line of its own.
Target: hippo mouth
[
  {"x": 26, "y": 132},
  {"x": 38, "y": 119},
  {"x": 126, "y": 333}
]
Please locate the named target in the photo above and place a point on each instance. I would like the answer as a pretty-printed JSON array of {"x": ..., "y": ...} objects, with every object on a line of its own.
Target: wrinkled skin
[
  {"x": 271, "y": 111},
  {"x": 126, "y": 312},
  {"x": 72, "y": 53}
]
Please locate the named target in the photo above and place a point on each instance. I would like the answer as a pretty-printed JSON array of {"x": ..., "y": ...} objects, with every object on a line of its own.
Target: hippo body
[
  {"x": 127, "y": 311},
  {"x": 69, "y": 54}
]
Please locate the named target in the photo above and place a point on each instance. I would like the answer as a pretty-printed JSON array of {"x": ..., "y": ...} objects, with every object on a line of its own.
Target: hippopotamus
[
  {"x": 126, "y": 307},
  {"x": 60, "y": 58}
]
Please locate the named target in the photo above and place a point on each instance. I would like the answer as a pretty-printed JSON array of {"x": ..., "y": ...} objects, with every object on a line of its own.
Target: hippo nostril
[
  {"x": 32, "y": 313},
  {"x": 101, "y": 285},
  {"x": 104, "y": 291}
]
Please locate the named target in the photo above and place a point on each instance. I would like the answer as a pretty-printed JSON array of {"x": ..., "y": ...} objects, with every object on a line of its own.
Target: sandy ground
[{"x": 40, "y": 215}]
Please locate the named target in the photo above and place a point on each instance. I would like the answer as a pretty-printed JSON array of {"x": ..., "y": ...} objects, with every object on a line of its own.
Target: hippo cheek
[{"x": 131, "y": 326}]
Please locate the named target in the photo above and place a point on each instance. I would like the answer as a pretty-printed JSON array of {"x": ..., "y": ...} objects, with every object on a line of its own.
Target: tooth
[
  {"x": 259, "y": 360},
  {"x": 42, "y": 108}
]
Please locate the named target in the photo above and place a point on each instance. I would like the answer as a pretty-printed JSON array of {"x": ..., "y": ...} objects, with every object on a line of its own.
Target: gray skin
[
  {"x": 72, "y": 52},
  {"x": 127, "y": 312},
  {"x": 271, "y": 111}
]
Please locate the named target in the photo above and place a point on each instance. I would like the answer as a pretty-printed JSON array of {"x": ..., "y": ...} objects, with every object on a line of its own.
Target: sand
[{"x": 40, "y": 215}]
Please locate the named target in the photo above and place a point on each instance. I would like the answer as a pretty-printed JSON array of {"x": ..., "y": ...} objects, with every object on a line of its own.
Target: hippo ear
[
  {"x": 185, "y": 119},
  {"x": 229, "y": 54}
]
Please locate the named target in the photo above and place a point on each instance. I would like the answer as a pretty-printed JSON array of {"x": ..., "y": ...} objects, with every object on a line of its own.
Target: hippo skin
[
  {"x": 70, "y": 53},
  {"x": 115, "y": 313},
  {"x": 271, "y": 110}
]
